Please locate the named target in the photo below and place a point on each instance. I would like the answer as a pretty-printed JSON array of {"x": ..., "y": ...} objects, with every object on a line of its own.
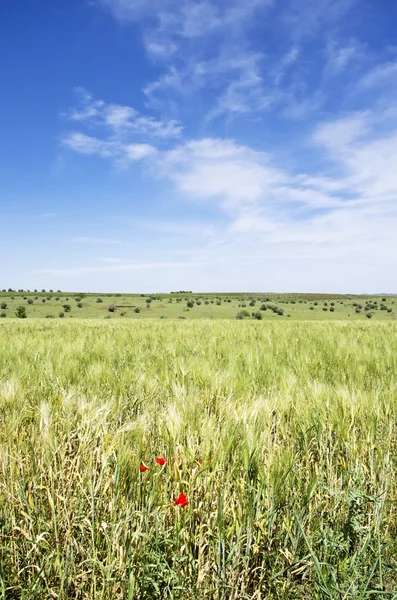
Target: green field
[
  {"x": 281, "y": 435},
  {"x": 199, "y": 306}
]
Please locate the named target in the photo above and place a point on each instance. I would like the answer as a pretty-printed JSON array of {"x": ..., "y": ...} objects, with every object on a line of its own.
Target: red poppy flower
[
  {"x": 181, "y": 501},
  {"x": 143, "y": 468},
  {"x": 160, "y": 461}
]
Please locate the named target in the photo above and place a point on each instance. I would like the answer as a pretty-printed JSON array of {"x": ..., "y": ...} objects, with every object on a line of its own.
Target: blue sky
[{"x": 213, "y": 145}]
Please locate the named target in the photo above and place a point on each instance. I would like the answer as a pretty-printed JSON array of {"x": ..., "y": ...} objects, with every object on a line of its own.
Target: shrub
[
  {"x": 30, "y": 301},
  {"x": 206, "y": 302},
  {"x": 218, "y": 302},
  {"x": 49, "y": 316},
  {"x": 67, "y": 307},
  {"x": 332, "y": 309},
  {"x": 112, "y": 308},
  {"x": 79, "y": 305},
  {"x": 198, "y": 302},
  {"x": 252, "y": 303},
  {"x": 20, "y": 312},
  {"x": 108, "y": 316},
  {"x": 190, "y": 304},
  {"x": 137, "y": 310},
  {"x": 123, "y": 314},
  {"x": 99, "y": 300},
  {"x": 163, "y": 317},
  {"x": 61, "y": 315},
  {"x": 3, "y": 315},
  {"x": 358, "y": 310},
  {"x": 3, "y": 305},
  {"x": 239, "y": 316},
  {"x": 78, "y": 298},
  {"x": 369, "y": 315},
  {"x": 258, "y": 315},
  {"x": 263, "y": 307},
  {"x": 389, "y": 310}
]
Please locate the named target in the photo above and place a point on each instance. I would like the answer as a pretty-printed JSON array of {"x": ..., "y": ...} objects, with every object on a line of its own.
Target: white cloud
[
  {"x": 85, "y": 144},
  {"x": 120, "y": 120},
  {"x": 120, "y": 153},
  {"x": 309, "y": 18},
  {"x": 364, "y": 147},
  {"x": 190, "y": 19},
  {"x": 340, "y": 57},
  {"x": 383, "y": 74}
]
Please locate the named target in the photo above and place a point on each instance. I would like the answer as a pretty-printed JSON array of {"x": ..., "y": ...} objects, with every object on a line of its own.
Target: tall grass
[{"x": 282, "y": 436}]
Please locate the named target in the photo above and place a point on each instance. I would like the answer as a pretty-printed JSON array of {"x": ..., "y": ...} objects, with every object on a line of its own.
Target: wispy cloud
[
  {"x": 191, "y": 19},
  {"x": 383, "y": 74},
  {"x": 120, "y": 120},
  {"x": 122, "y": 154}
]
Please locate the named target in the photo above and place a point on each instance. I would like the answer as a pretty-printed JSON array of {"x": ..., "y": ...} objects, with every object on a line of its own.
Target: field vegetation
[
  {"x": 276, "y": 448},
  {"x": 187, "y": 305}
]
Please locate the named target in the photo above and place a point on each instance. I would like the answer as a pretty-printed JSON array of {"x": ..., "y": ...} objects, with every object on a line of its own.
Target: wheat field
[{"x": 282, "y": 437}]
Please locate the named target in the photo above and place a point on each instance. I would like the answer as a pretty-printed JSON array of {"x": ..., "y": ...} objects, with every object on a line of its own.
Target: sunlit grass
[{"x": 281, "y": 435}]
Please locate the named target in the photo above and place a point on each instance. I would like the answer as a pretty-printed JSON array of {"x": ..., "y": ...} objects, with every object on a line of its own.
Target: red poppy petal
[
  {"x": 143, "y": 468},
  {"x": 181, "y": 501},
  {"x": 160, "y": 460}
]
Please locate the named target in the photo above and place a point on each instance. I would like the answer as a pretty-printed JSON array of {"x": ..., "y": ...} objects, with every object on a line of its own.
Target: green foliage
[
  {"x": 112, "y": 308},
  {"x": 3, "y": 305},
  {"x": 20, "y": 312},
  {"x": 67, "y": 308}
]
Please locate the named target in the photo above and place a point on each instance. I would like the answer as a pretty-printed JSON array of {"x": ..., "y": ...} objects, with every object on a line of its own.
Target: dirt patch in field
[{"x": 125, "y": 305}]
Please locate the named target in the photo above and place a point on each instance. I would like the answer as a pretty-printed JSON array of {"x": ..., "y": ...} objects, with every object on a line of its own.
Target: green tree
[{"x": 21, "y": 312}]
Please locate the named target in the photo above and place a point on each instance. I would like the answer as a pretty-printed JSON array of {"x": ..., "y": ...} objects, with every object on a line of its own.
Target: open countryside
[{"x": 187, "y": 305}]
